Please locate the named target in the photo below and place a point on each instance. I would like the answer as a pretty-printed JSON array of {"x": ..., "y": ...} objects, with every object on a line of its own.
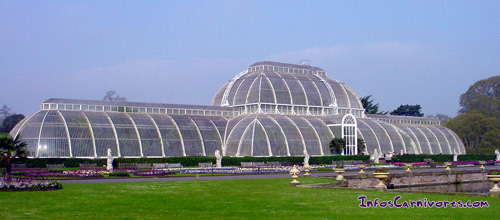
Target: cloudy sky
[{"x": 401, "y": 52}]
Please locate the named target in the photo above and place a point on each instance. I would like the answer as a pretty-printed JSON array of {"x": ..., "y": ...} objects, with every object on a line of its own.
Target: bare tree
[
  {"x": 442, "y": 117},
  {"x": 4, "y": 112},
  {"x": 112, "y": 96}
]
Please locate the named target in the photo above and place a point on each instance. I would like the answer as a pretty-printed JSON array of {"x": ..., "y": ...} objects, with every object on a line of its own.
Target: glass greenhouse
[{"x": 270, "y": 109}]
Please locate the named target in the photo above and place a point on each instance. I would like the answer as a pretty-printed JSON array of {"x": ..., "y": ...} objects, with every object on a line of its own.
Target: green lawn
[{"x": 228, "y": 199}]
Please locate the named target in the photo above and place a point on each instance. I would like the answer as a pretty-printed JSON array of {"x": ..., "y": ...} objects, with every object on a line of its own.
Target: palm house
[{"x": 270, "y": 109}]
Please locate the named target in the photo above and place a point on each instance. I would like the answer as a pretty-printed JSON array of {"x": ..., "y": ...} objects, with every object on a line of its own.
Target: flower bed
[
  {"x": 416, "y": 164},
  {"x": 380, "y": 170},
  {"x": 29, "y": 185},
  {"x": 399, "y": 164},
  {"x": 494, "y": 172},
  {"x": 68, "y": 173},
  {"x": 153, "y": 173}
]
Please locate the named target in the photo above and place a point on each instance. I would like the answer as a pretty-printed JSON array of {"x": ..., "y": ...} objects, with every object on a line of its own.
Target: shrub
[
  {"x": 441, "y": 158},
  {"x": 119, "y": 173},
  {"x": 409, "y": 158}
]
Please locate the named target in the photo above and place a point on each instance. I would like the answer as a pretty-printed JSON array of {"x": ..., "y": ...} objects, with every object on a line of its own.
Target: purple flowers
[
  {"x": 494, "y": 172},
  {"x": 380, "y": 170},
  {"x": 419, "y": 164},
  {"x": 29, "y": 184},
  {"x": 153, "y": 173},
  {"x": 68, "y": 173},
  {"x": 399, "y": 164}
]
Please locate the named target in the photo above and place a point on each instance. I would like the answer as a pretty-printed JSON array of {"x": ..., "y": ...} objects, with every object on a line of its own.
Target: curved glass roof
[
  {"x": 278, "y": 83},
  {"x": 56, "y": 133},
  {"x": 413, "y": 139},
  {"x": 59, "y": 133},
  {"x": 277, "y": 135}
]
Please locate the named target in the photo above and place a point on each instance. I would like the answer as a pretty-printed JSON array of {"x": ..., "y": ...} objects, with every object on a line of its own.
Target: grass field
[{"x": 224, "y": 199}]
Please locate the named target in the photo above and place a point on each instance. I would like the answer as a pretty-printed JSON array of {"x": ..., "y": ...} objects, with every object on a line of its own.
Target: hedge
[
  {"x": 408, "y": 158},
  {"x": 68, "y": 162},
  {"x": 185, "y": 161},
  {"x": 468, "y": 157}
]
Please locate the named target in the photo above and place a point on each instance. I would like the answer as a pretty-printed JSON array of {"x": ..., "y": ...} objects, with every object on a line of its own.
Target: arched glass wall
[{"x": 82, "y": 134}]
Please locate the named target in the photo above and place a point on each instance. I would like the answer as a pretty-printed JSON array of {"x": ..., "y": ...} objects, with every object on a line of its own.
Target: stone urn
[
  {"x": 381, "y": 177},
  {"x": 447, "y": 164},
  {"x": 495, "y": 191},
  {"x": 307, "y": 168},
  {"x": 339, "y": 172},
  {"x": 482, "y": 163},
  {"x": 294, "y": 172},
  {"x": 361, "y": 167},
  {"x": 408, "y": 166}
]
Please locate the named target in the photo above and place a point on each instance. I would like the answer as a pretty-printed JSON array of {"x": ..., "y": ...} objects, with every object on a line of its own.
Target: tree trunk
[{"x": 8, "y": 169}]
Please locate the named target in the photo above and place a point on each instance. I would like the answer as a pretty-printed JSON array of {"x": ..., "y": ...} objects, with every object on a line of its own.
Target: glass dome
[{"x": 288, "y": 84}]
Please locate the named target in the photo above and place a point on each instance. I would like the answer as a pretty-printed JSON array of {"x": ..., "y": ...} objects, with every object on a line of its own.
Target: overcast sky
[{"x": 182, "y": 52}]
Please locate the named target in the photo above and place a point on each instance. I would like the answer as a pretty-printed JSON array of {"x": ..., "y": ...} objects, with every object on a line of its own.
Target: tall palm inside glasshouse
[{"x": 10, "y": 149}]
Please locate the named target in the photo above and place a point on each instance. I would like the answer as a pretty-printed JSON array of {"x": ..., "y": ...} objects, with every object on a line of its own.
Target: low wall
[{"x": 420, "y": 179}]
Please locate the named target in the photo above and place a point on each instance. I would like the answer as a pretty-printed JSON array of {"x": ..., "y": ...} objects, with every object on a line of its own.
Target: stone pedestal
[
  {"x": 339, "y": 172},
  {"x": 482, "y": 163},
  {"x": 408, "y": 166},
  {"x": 495, "y": 191},
  {"x": 307, "y": 169},
  {"x": 448, "y": 164},
  {"x": 362, "y": 173},
  {"x": 381, "y": 185},
  {"x": 294, "y": 172}
]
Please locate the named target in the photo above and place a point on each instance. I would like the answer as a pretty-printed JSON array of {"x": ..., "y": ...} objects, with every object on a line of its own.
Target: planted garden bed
[{"x": 29, "y": 185}]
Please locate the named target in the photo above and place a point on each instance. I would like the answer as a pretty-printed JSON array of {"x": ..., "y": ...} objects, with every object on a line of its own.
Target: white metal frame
[
  {"x": 22, "y": 125},
  {"x": 137, "y": 133},
  {"x": 386, "y": 133},
  {"x": 218, "y": 133},
  {"x": 316, "y": 133},
  {"x": 224, "y": 101},
  {"x": 300, "y": 132},
  {"x": 115, "y": 133},
  {"x": 446, "y": 139},
  {"x": 284, "y": 135},
  {"x": 40, "y": 135},
  {"x": 437, "y": 140},
  {"x": 159, "y": 135},
  {"x": 350, "y": 147},
  {"x": 180, "y": 135},
  {"x": 288, "y": 87},
  {"x": 231, "y": 132},
  {"x": 374, "y": 134},
  {"x": 303, "y": 89},
  {"x": 425, "y": 136},
  {"x": 455, "y": 139},
  {"x": 272, "y": 87},
  {"x": 414, "y": 136},
  {"x": 242, "y": 137},
  {"x": 330, "y": 90},
  {"x": 67, "y": 132},
  {"x": 201, "y": 137},
  {"x": 91, "y": 133}
]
